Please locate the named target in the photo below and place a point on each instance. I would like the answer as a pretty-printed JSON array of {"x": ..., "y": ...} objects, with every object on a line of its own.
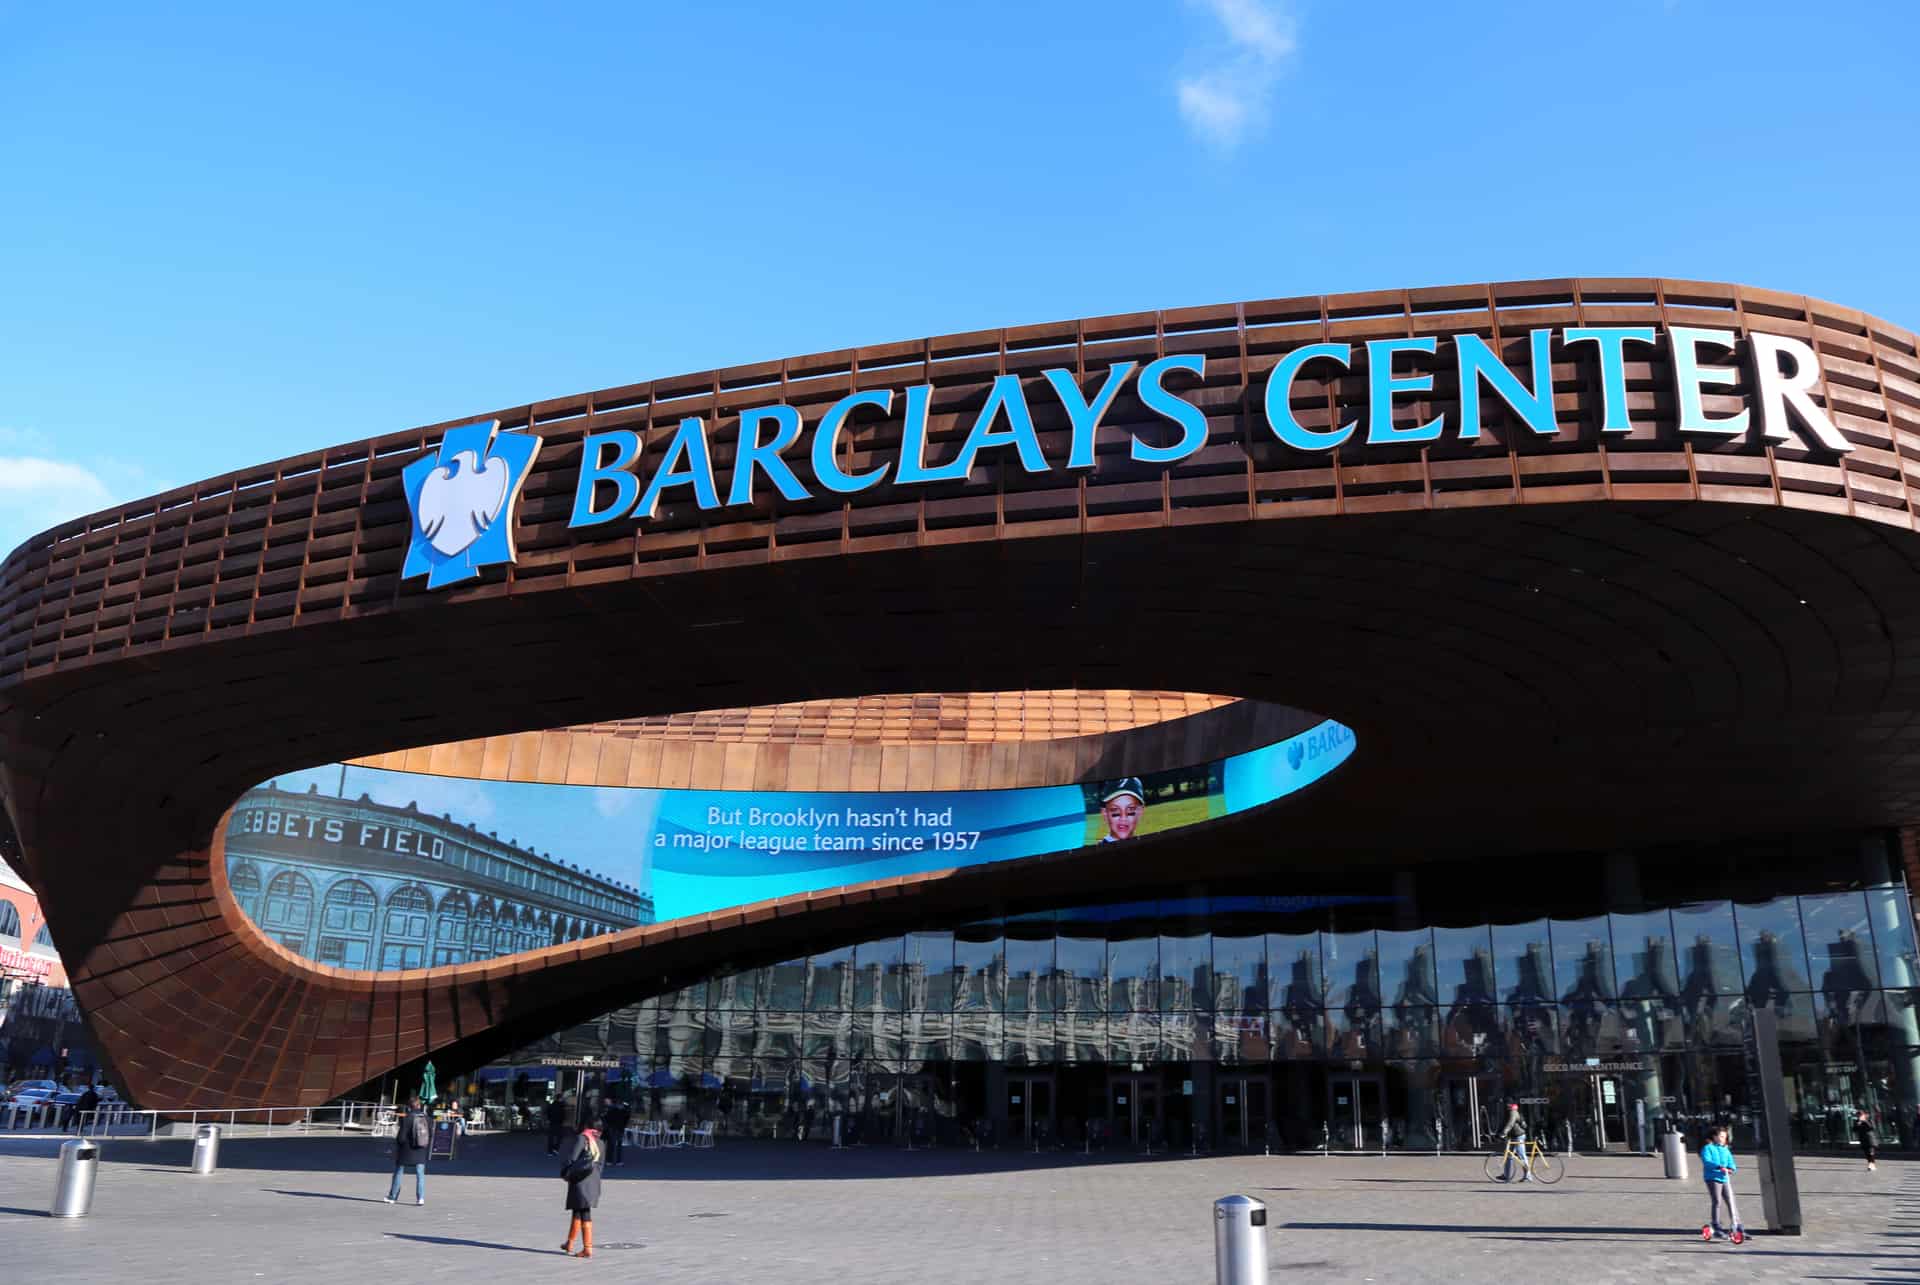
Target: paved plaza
[{"x": 310, "y": 1209}]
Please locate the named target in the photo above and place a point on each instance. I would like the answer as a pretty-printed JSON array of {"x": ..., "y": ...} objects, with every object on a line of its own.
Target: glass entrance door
[
  {"x": 1243, "y": 1112},
  {"x": 1030, "y": 1107},
  {"x": 1607, "y": 1104},
  {"x": 1358, "y": 1111},
  {"x": 1133, "y": 1109},
  {"x": 1468, "y": 1102}
]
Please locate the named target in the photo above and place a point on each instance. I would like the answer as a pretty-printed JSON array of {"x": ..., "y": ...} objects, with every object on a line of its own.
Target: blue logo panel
[{"x": 462, "y": 499}]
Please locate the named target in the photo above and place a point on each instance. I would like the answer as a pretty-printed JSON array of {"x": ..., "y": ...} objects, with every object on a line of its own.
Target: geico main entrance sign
[{"x": 1784, "y": 371}]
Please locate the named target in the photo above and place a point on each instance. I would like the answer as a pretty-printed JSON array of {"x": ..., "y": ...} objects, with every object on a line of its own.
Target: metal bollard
[
  {"x": 1673, "y": 1155},
  {"x": 206, "y": 1148},
  {"x": 73, "y": 1186},
  {"x": 1239, "y": 1241}
]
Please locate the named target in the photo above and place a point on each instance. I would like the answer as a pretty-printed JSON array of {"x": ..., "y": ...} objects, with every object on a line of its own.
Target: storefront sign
[
  {"x": 1592, "y": 1065},
  {"x": 462, "y": 495},
  {"x": 20, "y": 962},
  {"x": 1783, "y": 373}
]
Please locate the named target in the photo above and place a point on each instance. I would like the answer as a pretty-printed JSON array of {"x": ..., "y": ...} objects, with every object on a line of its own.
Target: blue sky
[{"x": 231, "y": 233}]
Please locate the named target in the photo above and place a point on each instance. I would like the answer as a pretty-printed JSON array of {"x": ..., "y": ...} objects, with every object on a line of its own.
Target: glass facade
[{"x": 1269, "y": 1022}]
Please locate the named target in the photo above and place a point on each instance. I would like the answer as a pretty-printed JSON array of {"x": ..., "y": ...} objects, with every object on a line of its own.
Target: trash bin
[
  {"x": 206, "y": 1148},
  {"x": 1673, "y": 1155},
  {"x": 73, "y": 1187},
  {"x": 1239, "y": 1241}
]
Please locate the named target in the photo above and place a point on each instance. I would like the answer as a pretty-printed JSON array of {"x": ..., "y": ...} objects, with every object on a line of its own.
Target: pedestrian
[
  {"x": 1868, "y": 1137},
  {"x": 1514, "y": 1135},
  {"x": 90, "y": 1102},
  {"x": 1717, "y": 1166},
  {"x": 584, "y": 1163},
  {"x": 410, "y": 1144},
  {"x": 556, "y": 1125},
  {"x": 617, "y": 1118}
]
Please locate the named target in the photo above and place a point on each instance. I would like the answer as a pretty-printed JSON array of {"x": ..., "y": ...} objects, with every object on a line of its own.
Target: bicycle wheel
[
  {"x": 1549, "y": 1168},
  {"x": 1496, "y": 1161}
]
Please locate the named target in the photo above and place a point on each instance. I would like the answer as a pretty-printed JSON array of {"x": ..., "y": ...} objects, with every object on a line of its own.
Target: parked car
[
  {"x": 31, "y": 1097},
  {"x": 19, "y": 1085}
]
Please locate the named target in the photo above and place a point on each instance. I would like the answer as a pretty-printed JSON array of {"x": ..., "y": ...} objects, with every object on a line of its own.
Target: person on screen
[{"x": 1122, "y": 804}]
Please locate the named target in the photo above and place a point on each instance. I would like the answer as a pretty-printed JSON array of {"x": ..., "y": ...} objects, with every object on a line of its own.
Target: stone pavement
[{"x": 299, "y": 1209}]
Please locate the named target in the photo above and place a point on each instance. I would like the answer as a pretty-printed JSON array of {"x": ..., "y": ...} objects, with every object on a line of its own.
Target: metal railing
[{"x": 120, "y": 1120}]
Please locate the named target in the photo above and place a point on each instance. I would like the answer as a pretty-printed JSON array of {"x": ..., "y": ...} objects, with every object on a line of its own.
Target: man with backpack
[{"x": 411, "y": 1142}]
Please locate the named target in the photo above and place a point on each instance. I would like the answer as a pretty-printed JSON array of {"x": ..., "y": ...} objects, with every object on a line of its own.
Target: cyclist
[{"x": 1514, "y": 1134}]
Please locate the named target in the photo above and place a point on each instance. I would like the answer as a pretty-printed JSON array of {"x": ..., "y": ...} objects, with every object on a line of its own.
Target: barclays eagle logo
[
  {"x": 1295, "y": 753},
  {"x": 462, "y": 498}
]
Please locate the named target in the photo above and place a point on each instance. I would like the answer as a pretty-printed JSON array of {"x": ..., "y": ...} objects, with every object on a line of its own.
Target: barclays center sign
[{"x": 462, "y": 495}]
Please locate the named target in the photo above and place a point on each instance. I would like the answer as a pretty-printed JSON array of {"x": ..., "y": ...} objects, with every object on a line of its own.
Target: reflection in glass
[
  {"x": 1298, "y": 1034},
  {"x": 1772, "y": 948},
  {"x": 978, "y": 967},
  {"x": 1185, "y": 1037},
  {"x": 1410, "y": 1030},
  {"x": 1133, "y": 1037},
  {"x": 876, "y": 974},
  {"x": 786, "y": 985},
  {"x": 830, "y": 980},
  {"x": 1133, "y": 969},
  {"x": 1470, "y": 1030},
  {"x": 1293, "y": 964},
  {"x": 1354, "y": 1031},
  {"x": 1240, "y": 974},
  {"x": 1080, "y": 969},
  {"x": 1582, "y": 959},
  {"x": 1893, "y": 938},
  {"x": 1840, "y": 950},
  {"x": 1029, "y": 1038},
  {"x": 1081, "y": 1036},
  {"x": 1186, "y": 972},
  {"x": 979, "y": 1035},
  {"x": 1533, "y": 1029},
  {"x": 928, "y": 983},
  {"x": 1707, "y": 947},
  {"x": 1406, "y": 966},
  {"x": 1241, "y": 1037},
  {"x": 1464, "y": 960},
  {"x": 1523, "y": 962},
  {"x": 926, "y": 1036},
  {"x": 1029, "y": 947},
  {"x": 1353, "y": 969}
]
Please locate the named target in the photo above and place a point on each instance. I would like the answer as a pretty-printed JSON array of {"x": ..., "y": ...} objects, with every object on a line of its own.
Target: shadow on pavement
[
  {"x": 524, "y": 1155},
  {"x": 473, "y": 1244},
  {"x": 1500, "y": 1229},
  {"x": 329, "y": 1195},
  {"x": 23, "y": 1213}
]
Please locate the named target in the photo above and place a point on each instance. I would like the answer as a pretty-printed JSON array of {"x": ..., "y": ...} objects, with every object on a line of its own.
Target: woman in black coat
[
  {"x": 408, "y": 1153},
  {"x": 583, "y": 1192}
]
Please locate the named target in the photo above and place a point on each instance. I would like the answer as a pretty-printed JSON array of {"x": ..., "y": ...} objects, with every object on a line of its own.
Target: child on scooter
[{"x": 1718, "y": 1166}]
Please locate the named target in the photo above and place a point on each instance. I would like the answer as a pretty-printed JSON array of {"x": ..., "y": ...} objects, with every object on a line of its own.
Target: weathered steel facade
[{"x": 1542, "y": 644}]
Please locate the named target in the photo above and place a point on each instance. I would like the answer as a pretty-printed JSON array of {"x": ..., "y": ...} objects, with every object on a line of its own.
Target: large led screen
[{"x": 371, "y": 869}]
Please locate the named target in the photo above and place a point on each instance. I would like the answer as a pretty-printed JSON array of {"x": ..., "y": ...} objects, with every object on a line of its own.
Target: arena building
[{"x": 1298, "y": 721}]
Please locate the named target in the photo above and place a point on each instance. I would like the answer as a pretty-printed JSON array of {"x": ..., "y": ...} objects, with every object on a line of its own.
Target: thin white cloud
[
  {"x": 37, "y": 492},
  {"x": 1228, "y": 94}
]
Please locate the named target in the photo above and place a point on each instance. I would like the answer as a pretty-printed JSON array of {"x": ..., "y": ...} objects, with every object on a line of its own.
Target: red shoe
[{"x": 1706, "y": 1233}]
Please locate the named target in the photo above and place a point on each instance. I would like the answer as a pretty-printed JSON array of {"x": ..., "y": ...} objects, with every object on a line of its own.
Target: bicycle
[{"x": 1543, "y": 1165}]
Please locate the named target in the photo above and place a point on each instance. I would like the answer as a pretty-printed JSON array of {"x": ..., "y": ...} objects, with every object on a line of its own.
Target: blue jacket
[{"x": 1717, "y": 1163}]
